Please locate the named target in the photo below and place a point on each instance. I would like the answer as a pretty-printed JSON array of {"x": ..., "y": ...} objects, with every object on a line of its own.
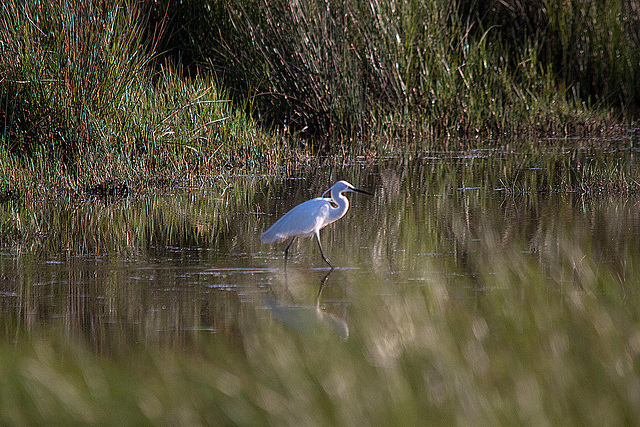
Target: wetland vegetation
[
  {"x": 490, "y": 280},
  {"x": 157, "y": 92}
]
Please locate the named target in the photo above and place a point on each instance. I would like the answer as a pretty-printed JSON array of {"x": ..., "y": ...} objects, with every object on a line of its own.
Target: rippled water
[{"x": 175, "y": 268}]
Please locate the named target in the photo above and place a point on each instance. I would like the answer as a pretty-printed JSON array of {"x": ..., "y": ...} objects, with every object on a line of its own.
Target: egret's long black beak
[{"x": 361, "y": 191}]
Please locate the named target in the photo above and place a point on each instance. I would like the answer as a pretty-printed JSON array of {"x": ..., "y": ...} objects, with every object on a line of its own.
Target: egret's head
[{"x": 344, "y": 186}]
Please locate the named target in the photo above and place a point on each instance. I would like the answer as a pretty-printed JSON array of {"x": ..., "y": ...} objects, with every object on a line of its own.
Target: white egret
[{"x": 309, "y": 217}]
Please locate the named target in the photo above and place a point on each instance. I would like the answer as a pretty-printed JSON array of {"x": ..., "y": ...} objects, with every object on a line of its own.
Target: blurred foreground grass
[{"x": 511, "y": 344}]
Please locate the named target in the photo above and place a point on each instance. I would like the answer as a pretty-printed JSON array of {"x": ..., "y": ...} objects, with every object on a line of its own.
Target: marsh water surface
[{"x": 179, "y": 267}]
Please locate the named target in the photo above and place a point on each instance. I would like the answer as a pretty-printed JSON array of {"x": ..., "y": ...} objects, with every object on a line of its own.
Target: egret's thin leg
[
  {"x": 286, "y": 253},
  {"x": 321, "y": 252}
]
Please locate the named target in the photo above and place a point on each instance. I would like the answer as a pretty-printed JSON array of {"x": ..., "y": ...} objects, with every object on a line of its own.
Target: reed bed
[
  {"x": 432, "y": 67},
  {"x": 138, "y": 91}
]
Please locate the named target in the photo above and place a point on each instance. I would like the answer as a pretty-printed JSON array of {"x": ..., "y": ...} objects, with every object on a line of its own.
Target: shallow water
[{"x": 177, "y": 268}]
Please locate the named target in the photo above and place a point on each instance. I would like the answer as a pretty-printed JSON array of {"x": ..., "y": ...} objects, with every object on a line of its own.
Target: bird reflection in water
[{"x": 306, "y": 319}]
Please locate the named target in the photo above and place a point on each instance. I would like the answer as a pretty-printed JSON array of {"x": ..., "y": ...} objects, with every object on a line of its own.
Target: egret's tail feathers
[
  {"x": 270, "y": 236},
  {"x": 266, "y": 238}
]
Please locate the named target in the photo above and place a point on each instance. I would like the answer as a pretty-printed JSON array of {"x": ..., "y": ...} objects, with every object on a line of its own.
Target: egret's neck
[{"x": 342, "y": 206}]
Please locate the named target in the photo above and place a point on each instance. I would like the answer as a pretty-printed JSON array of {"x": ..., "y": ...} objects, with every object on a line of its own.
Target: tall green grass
[
  {"x": 82, "y": 103},
  {"x": 593, "y": 48},
  {"x": 143, "y": 91},
  {"x": 65, "y": 69},
  {"x": 435, "y": 67}
]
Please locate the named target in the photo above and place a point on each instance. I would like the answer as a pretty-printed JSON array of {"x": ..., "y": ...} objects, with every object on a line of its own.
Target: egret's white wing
[{"x": 301, "y": 221}]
